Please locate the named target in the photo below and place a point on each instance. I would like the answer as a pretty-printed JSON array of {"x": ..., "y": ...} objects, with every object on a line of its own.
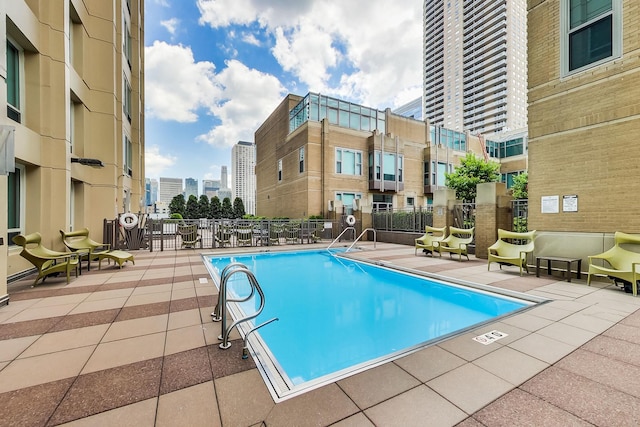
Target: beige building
[
  {"x": 318, "y": 155},
  {"x": 73, "y": 75},
  {"x": 584, "y": 87}
]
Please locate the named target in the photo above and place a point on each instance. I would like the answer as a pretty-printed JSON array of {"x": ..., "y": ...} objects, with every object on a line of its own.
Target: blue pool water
[{"x": 335, "y": 313}]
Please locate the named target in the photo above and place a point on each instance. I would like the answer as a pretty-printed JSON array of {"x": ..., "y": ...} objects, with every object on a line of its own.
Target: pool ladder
[
  {"x": 375, "y": 237},
  {"x": 220, "y": 312}
]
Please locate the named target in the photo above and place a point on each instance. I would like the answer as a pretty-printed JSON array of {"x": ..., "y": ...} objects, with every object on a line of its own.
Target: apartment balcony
[{"x": 386, "y": 185}]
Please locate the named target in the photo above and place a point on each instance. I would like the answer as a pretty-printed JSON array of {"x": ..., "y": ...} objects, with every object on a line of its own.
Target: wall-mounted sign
[
  {"x": 550, "y": 204},
  {"x": 570, "y": 203}
]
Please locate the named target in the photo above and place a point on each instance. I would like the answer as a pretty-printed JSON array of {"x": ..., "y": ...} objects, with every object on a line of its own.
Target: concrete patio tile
[
  {"x": 66, "y": 340},
  {"x": 180, "y": 319},
  {"x": 550, "y": 295},
  {"x": 243, "y": 398},
  {"x": 61, "y": 300},
  {"x": 375, "y": 385},
  {"x": 600, "y": 311},
  {"x": 184, "y": 339},
  {"x": 613, "y": 373},
  {"x": 143, "y": 290},
  {"x": 511, "y": 365},
  {"x": 594, "y": 402},
  {"x": 624, "y": 332},
  {"x": 470, "y": 387},
  {"x": 544, "y": 348},
  {"x": 148, "y": 298},
  {"x": 613, "y": 348},
  {"x": 185, "y": 369},
  {"x": 12, "y": 348},
  {"x": 527, "y": 321},
  {"x": 548, "y": 311},
  {"x": 136, "y": 327},
  {"x": 632, "y": 320},
  {"x": 91, "y": 306},
  {"x": 429, "y": 363},
  {"x": 513, "y": 333},
  {"x": 322, "y": 406},
  {"x": 593, "y": 324},
  {"x": 33, "y": 406},
  {"x": 465, "y": 347},
  {"x": 117, "y": 353},
  {"x": 192, "y": 406},
  {"x": 187, "y": 284},
  {"x": 189, "y": 292},
  {"x": 115, "y": 293},
  {"x": 139, "y": 414},
  {"x": 420, "y": 406},
  {"x": 519, "y": 408},
  {"x": 42, "y": 313},
  {"x": 357, "y": 420},
  {"x": 567, "y": 334},
  {"x": 42, "y": 369}
]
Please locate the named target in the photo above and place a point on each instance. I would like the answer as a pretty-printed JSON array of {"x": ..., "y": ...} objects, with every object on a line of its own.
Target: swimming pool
[{"x": 338, "y": 315}]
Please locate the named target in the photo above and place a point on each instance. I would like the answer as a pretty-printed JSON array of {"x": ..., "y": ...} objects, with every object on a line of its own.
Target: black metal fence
[
  {"x": 519, "y": 215},
  {"x": 164, "y": 234},
  {"x": 413, "y": 220}
]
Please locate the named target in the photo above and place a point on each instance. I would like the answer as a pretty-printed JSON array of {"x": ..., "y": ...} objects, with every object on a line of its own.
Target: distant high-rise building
[
  {"x": 224, "y": 178},
  {"x": 411, "y": 109},
  {"x": 190, "y": 188},
  {"x": 154, "y": 190},
  {"x": 169, "y": 188},
  {"x": 243, "y": 163},
  {"x": 151, "y": 191},
  {"x": 210, "y": 187},
  {"x": 475, "y": 64}
]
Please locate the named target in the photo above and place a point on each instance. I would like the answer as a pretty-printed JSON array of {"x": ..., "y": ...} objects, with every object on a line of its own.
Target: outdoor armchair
[
  {"x": 79, "y": 240},
  {"x": 457, "y": 242},
  {"x": 426, "y": 242},
  {"x": 189, "y": 235},
  {"x": 512, "y": 249},
  {"x": 47, "y": 261},
  {"x": 620, "y": 263}
]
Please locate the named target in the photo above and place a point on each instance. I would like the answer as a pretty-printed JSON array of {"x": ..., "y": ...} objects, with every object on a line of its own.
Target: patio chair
[
  {"x": 511, "y": 249},
  {"x": 426, "y": 242},
  {"x": 189, "y": 235},
  {"x": 79, "y": 240},
  {"x": 245, "y": 235},
  {"x": 275, "y": 233},
  {"x": 224, "y": 235},
  {"x": 457, "y": 242},
  {"x": 292, "y": 233},
  {"x": 47, "y": 261},
  {"x": 621, "y": 263}
]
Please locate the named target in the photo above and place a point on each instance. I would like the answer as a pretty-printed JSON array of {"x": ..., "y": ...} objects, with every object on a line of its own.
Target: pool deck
[{"x": 136, "y": 346}]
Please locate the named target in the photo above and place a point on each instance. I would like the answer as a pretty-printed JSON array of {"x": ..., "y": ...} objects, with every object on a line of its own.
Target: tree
[
  {"x": 238, "y": 208},
  {"x": 520, "y": 188},
  {"x": 204, "y": 210},
  {"x": 227, "y": 210},
  {"x": 216, "y": 208},
  {"x": 471, "y": 172},
  {"x": 177, "y": 205},
  {"x": 191, "y": 210}
]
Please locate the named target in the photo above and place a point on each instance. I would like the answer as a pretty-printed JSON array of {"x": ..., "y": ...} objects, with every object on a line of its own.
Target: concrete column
[
  {"x": 492, "y": 212},
  {"x": 443, "y": 202}
]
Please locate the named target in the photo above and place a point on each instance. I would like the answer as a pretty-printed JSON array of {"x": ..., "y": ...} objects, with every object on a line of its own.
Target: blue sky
[{"x": 215, "y": 69}]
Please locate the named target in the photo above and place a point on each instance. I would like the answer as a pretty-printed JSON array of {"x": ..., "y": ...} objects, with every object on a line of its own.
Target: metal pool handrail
[
  {"x": 221, "y": 310},
  {"x": 375, "y": 237},
  {"x": 338, "y": 238}
]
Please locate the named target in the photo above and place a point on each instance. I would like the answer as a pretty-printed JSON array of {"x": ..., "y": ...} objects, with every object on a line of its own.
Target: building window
[
  {"x": 127, "y": 43},
  {"x": 411, "y": 201},
  {"x": 280, "y": 170},
  {"x": 348, "y": 162},
  {"x": 301, "y": 159},
  {"x": 592, "y": 33},
  {"x": 348, "y": 201},
  {"x": 127, "y": 154},
  {"x": 15, "y": 203},
  {"x": 14, "y": 60},
  {"x": 126, "y": 103},
  {"x": 391, "y": 166}
]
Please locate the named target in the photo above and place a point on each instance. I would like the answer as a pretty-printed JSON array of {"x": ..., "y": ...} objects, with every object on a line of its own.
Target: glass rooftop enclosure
[{"x": 342, "y": 113}]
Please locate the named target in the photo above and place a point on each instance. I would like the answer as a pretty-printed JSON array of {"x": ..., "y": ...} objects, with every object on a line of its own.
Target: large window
[
  {"x": 348, "y": 162},
  {"x": 126, "y": 103},
  {"x": 127, "y": 153},
  {"x": 15, "y": 203},
  {"x": 348, "y": 201},
  {"x": 592, "y": 33},
  {"x": 13, "y": 81},
  {"x": 390, "y": 165}
]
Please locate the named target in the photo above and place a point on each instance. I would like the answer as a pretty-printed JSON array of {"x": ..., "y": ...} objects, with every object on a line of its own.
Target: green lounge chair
[
  {"x": 457, "y": 242},
  {"x": 79, "y": 240},
  {"x": 621, "y": 263},
  {"x": 47, "y": 261},
  {"x": 511, "y": 248},
  {"x": 426, "y": 242}
]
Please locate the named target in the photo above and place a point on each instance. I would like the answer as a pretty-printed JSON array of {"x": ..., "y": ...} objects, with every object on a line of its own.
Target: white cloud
[
  {"x": 171, "y": 25},
  {"x": 163, "y": 3},
  {"x": 249, "y": 97},
  {"x": 364, "y": 50},
  {"x": 176, "y": 85},
  {"x": 250, "y": 39},
  {"x": 155, "y": 163}
]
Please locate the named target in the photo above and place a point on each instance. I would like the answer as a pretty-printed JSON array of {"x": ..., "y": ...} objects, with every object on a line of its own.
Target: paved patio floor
[{"x": 136, "y": 346}]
